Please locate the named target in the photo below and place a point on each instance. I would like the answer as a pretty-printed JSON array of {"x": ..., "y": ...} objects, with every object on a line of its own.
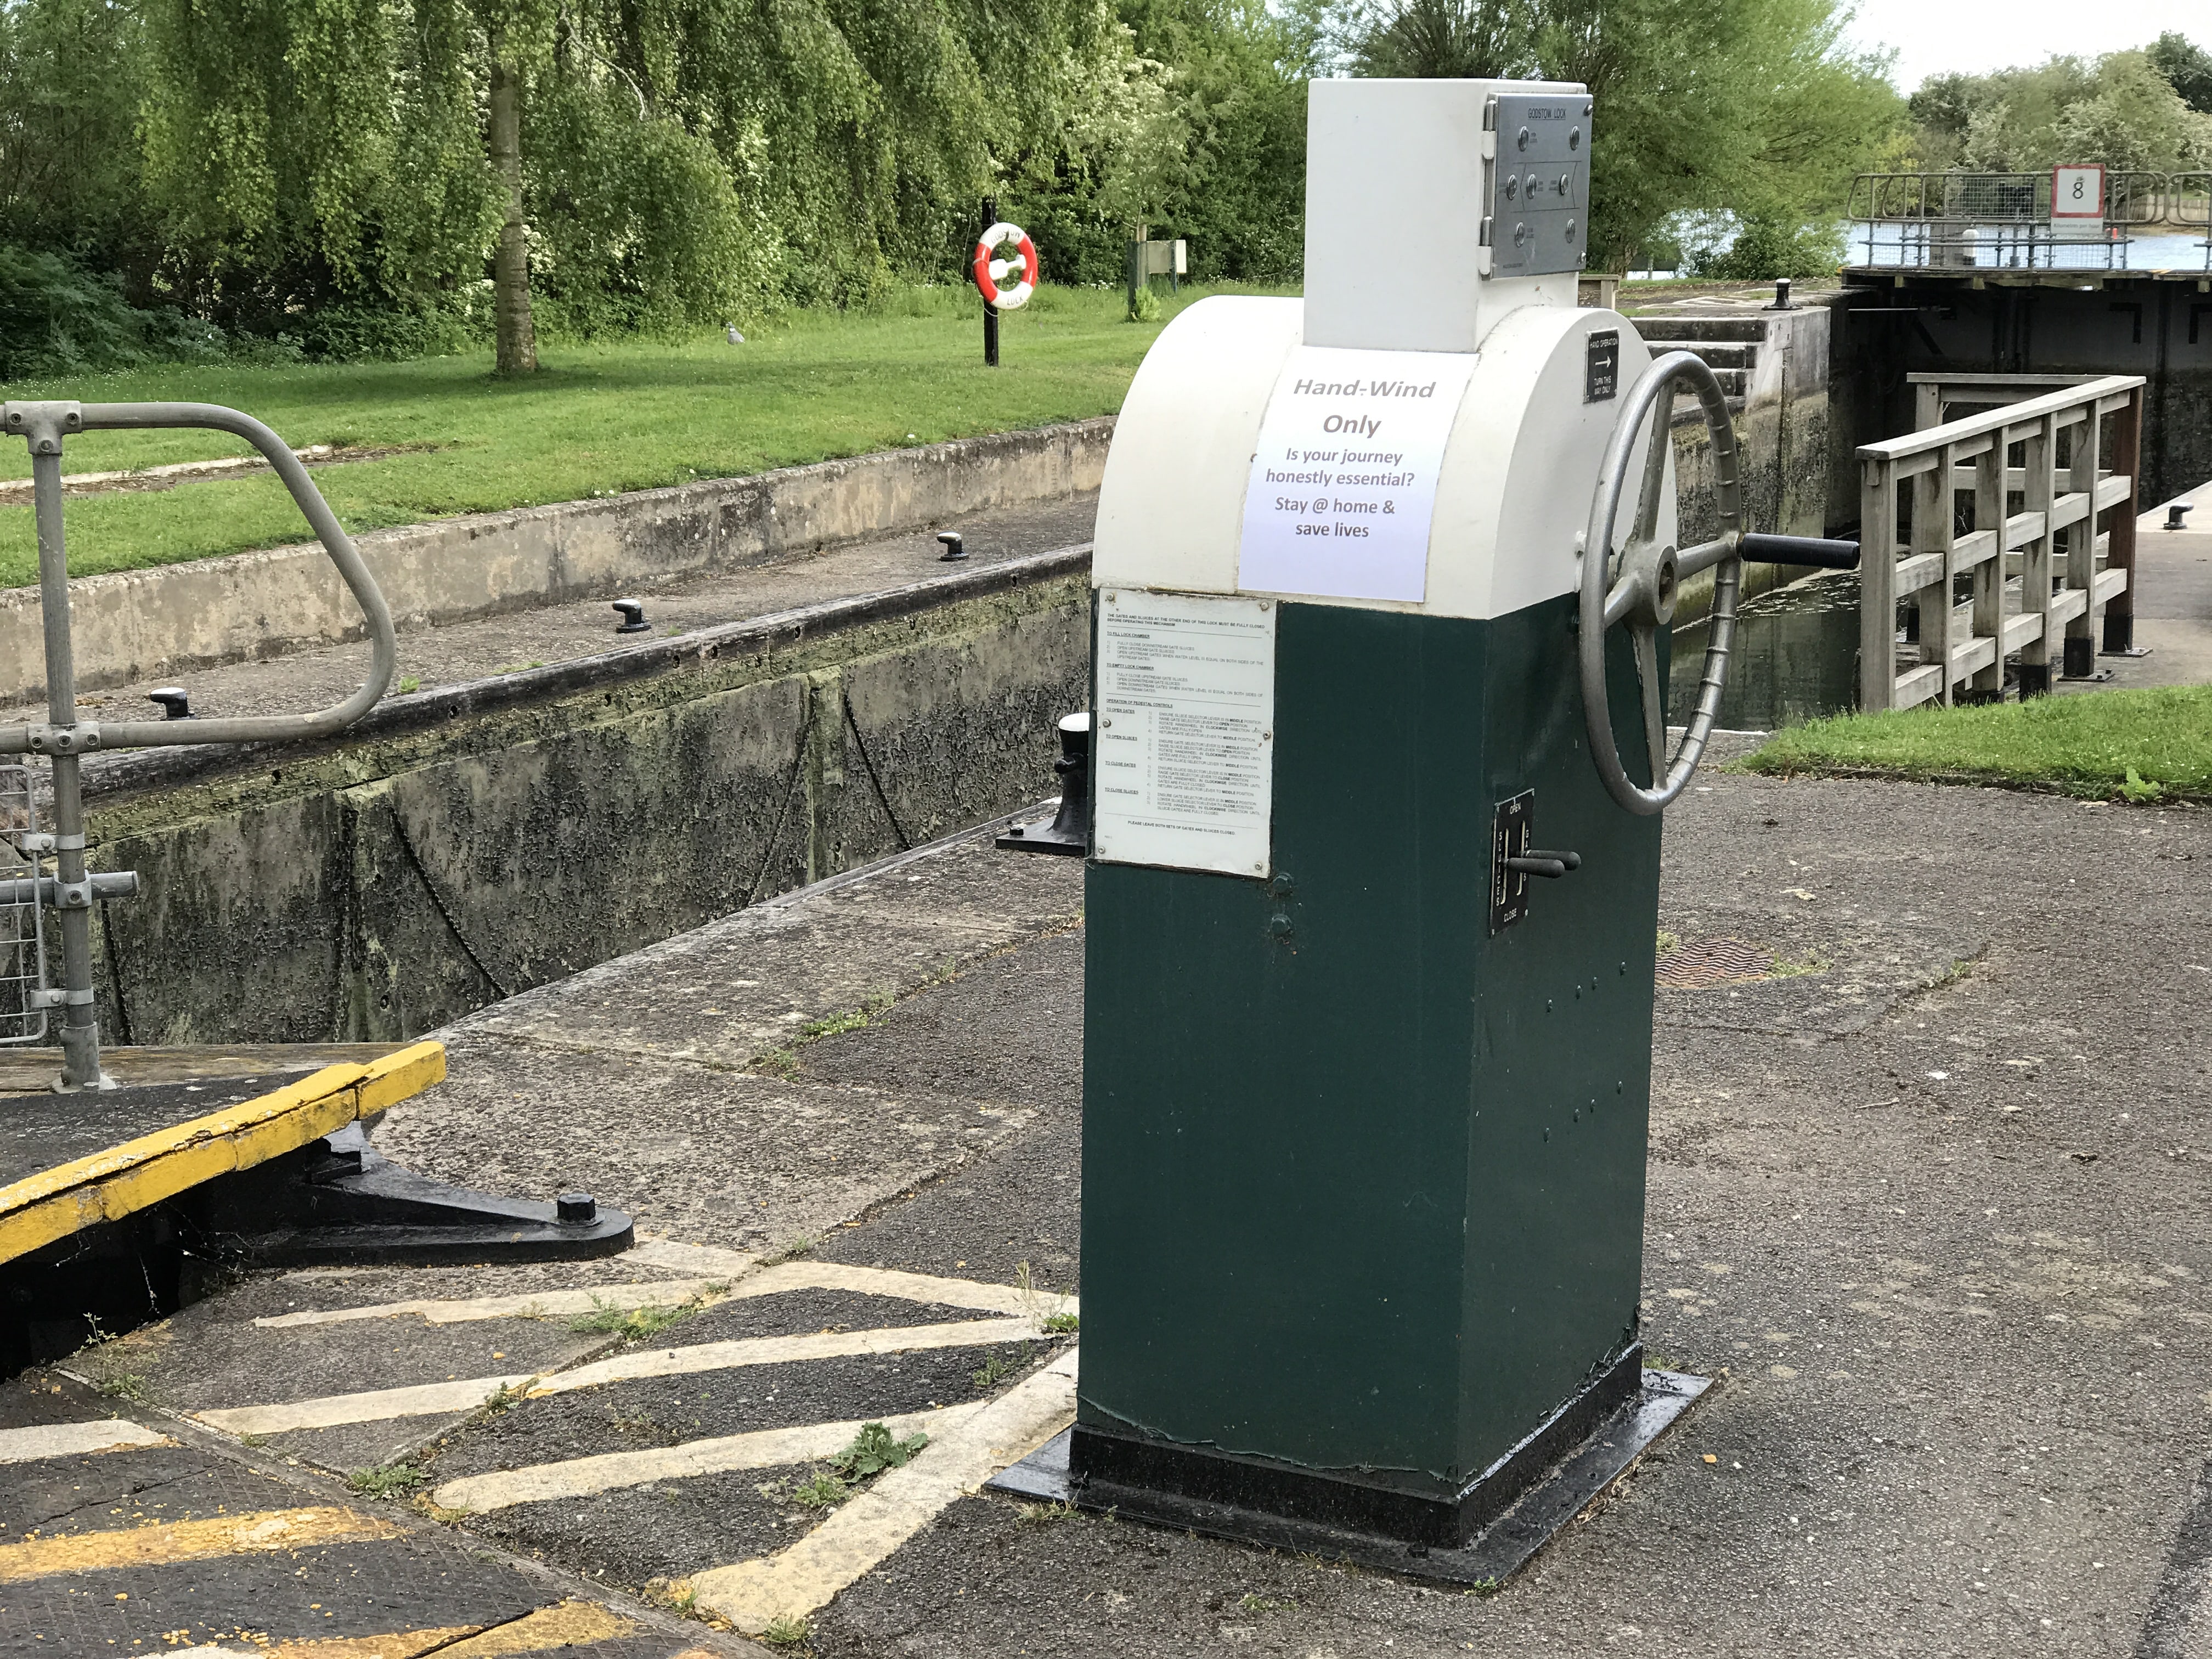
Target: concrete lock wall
[
  {"x": 380, "y": 888},
  {"x": 136, "y": 625},
  {"x": 1781, "y": 407}
]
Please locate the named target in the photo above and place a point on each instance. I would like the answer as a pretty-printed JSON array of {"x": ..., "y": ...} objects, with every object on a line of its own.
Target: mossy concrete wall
[
  {"x": 381, "y": 887},
  {"x": 1784, "y": 440}
]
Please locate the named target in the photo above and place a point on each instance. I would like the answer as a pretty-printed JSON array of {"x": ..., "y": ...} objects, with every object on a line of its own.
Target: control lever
[
  {"x": 1800, "y": 550},
  {"x": 1551, "y": 866}
]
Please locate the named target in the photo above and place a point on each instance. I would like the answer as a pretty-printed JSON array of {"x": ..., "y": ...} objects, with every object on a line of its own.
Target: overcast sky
[{"x": 1933, "y": 36}]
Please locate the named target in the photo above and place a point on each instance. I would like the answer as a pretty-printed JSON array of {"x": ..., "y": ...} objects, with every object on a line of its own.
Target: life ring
[{"x": 990, "y": 270}]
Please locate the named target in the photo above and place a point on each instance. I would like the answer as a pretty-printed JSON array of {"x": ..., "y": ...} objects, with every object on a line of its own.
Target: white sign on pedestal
[
  {"x": 1184, "y": 744},
  {"x": 1344, "y": 483}
]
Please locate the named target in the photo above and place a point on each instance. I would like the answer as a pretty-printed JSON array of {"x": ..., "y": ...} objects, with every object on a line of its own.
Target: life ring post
[
  {"x": 1006, "y": 283},
  {"x": 990, "y": 311}
]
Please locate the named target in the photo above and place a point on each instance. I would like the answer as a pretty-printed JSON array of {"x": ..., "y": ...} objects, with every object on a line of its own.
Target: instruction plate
[
  {"x": 1184, "y": 750},
  {"x": 1344, "y": 483}
]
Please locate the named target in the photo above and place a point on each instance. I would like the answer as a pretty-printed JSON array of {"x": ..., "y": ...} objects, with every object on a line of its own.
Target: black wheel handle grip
[{"x": 1800, "y": 549}]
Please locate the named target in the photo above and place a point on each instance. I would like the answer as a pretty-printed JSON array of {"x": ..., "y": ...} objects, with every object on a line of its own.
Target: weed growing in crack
[
  {"x": 387, "y": 1480},
  {"x": 788, "y": 1249},
  {"x": 1796, "y": 967},
  {"x": 503, "y": 1399},
  {"x": 634, "y": 1323},
  {"x": 874, "y": 1449},
  {"x": 998, "y": 1367},
  {"x": 674, "y": 1594}
]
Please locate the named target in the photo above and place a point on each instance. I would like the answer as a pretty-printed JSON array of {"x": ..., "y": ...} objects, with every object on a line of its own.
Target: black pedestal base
[{"x": 1508, "y": 1515}]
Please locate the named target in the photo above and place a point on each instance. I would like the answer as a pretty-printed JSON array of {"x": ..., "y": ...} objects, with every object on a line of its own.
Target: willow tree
[{"x": 623, "y": 162}]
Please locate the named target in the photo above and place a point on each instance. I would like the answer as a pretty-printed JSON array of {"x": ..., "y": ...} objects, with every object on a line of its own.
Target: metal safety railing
[
  {"x": 2189, "y": 205},
  {"x": 1981, "y": 544},
  {"x": 2004, "y": 220},
  {"x": 65, "y": 738}
]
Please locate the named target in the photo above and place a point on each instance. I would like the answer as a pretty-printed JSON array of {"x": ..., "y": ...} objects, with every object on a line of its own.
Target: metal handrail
[
  {"x": 66, "y": 740},
  {"x": 33, "y": 420},
  {"x": 2135, "y": 196}
]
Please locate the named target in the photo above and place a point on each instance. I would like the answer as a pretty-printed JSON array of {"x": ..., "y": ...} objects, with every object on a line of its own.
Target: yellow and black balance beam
[{"x": 56, "y": 1184}]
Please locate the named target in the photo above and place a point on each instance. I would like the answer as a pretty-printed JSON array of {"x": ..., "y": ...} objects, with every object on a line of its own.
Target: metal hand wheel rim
[{"x": 1638, "y": 585}]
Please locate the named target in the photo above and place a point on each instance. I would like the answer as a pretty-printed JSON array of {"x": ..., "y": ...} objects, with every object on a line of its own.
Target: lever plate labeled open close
[{"x": 1510, "y": 830}]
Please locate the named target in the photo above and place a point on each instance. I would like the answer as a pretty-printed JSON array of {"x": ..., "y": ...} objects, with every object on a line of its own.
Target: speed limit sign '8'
[{"x": 2077, "y": 192}]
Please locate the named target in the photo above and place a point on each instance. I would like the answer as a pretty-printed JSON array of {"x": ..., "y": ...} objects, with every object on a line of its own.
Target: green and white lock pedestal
[{"x": 1365, "y": 1110}]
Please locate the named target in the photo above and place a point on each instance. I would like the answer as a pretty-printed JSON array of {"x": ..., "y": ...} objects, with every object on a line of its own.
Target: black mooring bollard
[
  {"x": 633, "y": 617},
  {"x": 1069, "y": 830},
  {"x": 176, "y": 703},
  {"x": 954, "y": 549},
  {"x": 2175, "y": 512}
]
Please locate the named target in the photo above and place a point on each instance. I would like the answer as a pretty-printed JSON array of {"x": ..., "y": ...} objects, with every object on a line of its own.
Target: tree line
[
  {"x": 2149, "y": 110},
  {"x": 385, "y": 177}
]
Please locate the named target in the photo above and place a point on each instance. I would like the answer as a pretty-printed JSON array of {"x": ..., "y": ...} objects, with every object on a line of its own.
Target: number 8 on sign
[{"x": 2077, "y": 192}]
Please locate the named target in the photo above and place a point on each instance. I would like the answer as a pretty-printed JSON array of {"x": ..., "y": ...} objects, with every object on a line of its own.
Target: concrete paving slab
[
  {"x": 461, "y": 652},
  {"x": 2172, "y": 604},
  {"x": 732, "y": 992},
  {"x": 742, "y": 1158},
  {"x": 1919, "y": 1445}
]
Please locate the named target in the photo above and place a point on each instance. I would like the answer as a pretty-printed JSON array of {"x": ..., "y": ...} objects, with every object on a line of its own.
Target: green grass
[
  {"x": 2138, "y": 745},
  {"x": 600, "y": 419}
]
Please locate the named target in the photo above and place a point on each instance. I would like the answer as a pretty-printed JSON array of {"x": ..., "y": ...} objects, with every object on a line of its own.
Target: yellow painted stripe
[
  {"x": 521, "y": 1304},
  {"x": 465, "y": 1393},
  {"x": 394, "y": 1644},
  {"x": 1009, "y": 1299},
  {"x": 108, "y": 1184},
  {"x": 783, "y": 1350},
  {"x": 651, "y": 1250},
  {"x": 114, "y": 1160},
  {"x": 799, "y": 1581},
  {"x": 402, "y": 1076},
  {"x": 760, "y": 1449},
  {"x": 187, "y": 1540},
  {"x": 572, "y": 1624},
  {"x": 909, "y": 1287},
  {"x": 105, "y": 1434},
  {"x": 373, "y": 1405}
]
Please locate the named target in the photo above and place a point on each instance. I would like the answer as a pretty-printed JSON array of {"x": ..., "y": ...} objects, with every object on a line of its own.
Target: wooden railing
[{"x": 1982, "y": 536}]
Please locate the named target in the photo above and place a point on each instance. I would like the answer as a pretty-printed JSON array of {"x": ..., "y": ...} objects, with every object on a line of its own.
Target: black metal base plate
[
  {"x": 1487, "y": 1560},
  {"x": 341, "y": 1202},
  {"x": 339, "y": 1244},
  {"x": 1042, "y": 838}
]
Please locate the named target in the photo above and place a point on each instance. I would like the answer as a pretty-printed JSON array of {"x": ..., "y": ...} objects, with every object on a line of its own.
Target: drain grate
[{"x": 1701, "y": 962}]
